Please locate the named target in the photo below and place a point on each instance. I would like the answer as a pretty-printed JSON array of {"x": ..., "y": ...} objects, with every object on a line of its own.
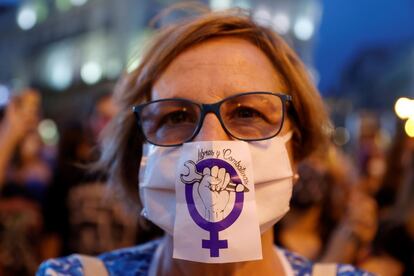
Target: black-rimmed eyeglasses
[{"x": 250, "y": 116}]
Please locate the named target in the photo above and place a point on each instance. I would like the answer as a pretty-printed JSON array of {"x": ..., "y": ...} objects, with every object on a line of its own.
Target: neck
[{"x": 270, "y": 264}]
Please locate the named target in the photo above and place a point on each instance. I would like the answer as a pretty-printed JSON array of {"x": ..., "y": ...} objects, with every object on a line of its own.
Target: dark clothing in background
[
  {"x": 21, "y": 224},
  {"x": 85, "y": 216}
]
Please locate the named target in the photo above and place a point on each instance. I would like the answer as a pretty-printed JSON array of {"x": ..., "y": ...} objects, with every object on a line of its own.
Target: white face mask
[{"x": 164, "y": 170}]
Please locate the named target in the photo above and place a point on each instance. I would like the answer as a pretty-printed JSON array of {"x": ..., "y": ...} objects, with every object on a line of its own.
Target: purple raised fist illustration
[
  {"x": 213, "y": 188},
  {"x": 212, "y": 192}
]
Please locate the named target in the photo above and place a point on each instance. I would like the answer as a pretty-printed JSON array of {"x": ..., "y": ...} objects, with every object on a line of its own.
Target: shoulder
[
  {"x": 133, "y": 260},
  {"x": 136, "y": 260},
  {"x": 348, "y": 270},
  {"x": 302, "y": 266},
  {"x": 70, "y": 265}
]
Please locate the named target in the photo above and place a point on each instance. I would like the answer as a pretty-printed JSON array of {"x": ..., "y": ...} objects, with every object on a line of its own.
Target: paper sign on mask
[{"x": 216, "y": 219}]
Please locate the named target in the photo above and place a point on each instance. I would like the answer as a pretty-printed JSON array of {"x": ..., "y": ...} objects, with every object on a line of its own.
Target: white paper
[{"x": 216, "y": 219}]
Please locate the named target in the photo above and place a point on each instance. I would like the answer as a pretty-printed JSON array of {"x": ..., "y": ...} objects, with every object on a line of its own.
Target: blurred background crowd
[{"x": 59, "y": 61}]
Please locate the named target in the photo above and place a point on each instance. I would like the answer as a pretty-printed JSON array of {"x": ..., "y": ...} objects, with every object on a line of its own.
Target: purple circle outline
[{"x": 238, "y": 205}]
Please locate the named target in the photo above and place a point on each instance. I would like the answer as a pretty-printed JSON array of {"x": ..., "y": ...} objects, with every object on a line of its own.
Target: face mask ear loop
[{"x": 146, "y": 148}]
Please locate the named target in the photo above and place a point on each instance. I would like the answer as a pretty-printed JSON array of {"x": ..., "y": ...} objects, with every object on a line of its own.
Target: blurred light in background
[
  {"x": 26, "y": 17},
  {"x": 78, "y": 2},
  {"x": 409, "y": 127},
  {"x": 58, "y": 67},
  {"x": 303, "y": 28},
  {"x": 281, "y": 23},
  {"x": 404, "y": 108},
  {"x": 63, "y": 5},
  {"x": 262, "y": 16},
  {"x": 4, "y": 95},
  {"x": 220, "y": 4},
  {"x": 133, "y": 64},
  {"x": 91, "y": 72},
  {"x": 113, "y": 68},
  {"x": 136, "y": 47},
  {"x": 61, "y": 76},
  {"x": 244, "y": 4},
  {"x": 41, "y": 9},
  {"x": 341, "y": 136},
  {"x": 48, "y": 132}
]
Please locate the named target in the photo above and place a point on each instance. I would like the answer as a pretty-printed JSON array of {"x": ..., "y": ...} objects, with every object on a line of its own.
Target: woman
[{"x": 197, "y": 167}]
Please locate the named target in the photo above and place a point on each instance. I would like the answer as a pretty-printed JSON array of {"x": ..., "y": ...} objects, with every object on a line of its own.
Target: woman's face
[{"x": 216, "y": 69}]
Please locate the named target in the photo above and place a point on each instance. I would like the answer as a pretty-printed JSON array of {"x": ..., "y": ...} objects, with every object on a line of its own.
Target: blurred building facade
[
  {"x": 73, "y": 50},
  {"x": 72, "y": 46}
]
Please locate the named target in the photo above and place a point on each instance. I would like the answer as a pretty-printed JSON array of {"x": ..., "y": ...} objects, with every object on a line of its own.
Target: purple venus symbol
[{"x": 214, "y": 243}]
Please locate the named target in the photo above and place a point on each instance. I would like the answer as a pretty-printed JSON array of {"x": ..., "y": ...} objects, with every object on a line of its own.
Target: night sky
[{"x": 350, "y": 26}]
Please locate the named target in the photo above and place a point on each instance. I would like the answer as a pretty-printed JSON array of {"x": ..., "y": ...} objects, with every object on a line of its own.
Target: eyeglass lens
[
  {"x": 252, "y": 116},
  {"x": 170, "y": 122},
  {"x": 247, "y": 116}
]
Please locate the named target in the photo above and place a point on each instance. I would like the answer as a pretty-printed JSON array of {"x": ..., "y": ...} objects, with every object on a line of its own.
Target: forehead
[{"x": 216, "y": 69}]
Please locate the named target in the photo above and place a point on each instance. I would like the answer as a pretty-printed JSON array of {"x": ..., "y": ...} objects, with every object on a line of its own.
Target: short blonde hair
[{"x": 122, "y": 141}]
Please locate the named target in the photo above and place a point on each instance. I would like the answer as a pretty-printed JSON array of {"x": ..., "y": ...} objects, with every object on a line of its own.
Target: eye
[
  {"x": 244, "y": 112},
  {"x": 177, "y": 117}
]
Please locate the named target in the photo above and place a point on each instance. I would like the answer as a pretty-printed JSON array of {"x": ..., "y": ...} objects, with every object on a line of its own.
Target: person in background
[
  {"x": 393, "y": 247},
  {"x": 24, "y": 177},
  {"x": 21, "y": 116},
  {"x": 397, "y": 171},
  {"x": 371, "y": 154},
  {"x": 30, "y": 170},
  {"x": 103, "y": 111},
  {"x": 81, "y": 215},
  {"x": 330, "y": 219}
]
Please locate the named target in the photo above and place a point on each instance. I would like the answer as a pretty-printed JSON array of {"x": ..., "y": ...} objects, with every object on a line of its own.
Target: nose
[{"x": 211, "y": 130}]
